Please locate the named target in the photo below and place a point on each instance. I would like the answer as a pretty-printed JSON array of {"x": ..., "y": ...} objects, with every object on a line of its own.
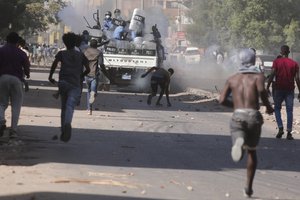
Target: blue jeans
[
  {"x": 92, "y": 85},
  {"x": 11, "y": 90},
  {"x": 70, "y": 96},
  {"x": 288, "y": 98}
]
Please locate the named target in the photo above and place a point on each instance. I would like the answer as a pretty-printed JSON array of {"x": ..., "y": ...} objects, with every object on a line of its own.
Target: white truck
[
  {"x": 126, "y": 69},
  {"x": 125, "y": 66}
]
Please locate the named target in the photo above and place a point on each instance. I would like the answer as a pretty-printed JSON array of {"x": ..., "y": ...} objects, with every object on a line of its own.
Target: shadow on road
[
  {"x": 144, "y": 150},
  {"x": 69, "y": 196},
  {"x": 41, "y": 97}
]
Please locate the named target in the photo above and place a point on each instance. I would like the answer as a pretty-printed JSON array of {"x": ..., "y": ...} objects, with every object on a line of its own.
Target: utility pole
[
  {"x": 179, "y": 15},
  {"x": 142, "y": 4}
]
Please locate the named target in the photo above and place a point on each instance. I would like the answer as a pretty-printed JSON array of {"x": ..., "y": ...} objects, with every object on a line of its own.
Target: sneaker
[
  {"x": 13, "y": 134},
  {"x": 237, "y": 149},
  {"x": 66, "y": 133},
  {"x": 149, "y": 100},
  {"x": 26, "y": 85},
  {"x": 280, "y": 133},
  {"x": 248, "y": 193},
  {"x": 92, "y": 97},
  {"x": 2, "y": 128},
  {"x": 289, "y": 136}
]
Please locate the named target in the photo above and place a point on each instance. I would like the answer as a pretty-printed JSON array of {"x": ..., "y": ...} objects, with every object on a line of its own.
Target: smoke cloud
[{"x": 206, "y": 74}]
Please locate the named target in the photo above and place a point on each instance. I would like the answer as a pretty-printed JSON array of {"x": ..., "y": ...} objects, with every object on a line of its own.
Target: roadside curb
[
  {"x": 200, "y": 92},
  {"x": 40, "y": 67}
]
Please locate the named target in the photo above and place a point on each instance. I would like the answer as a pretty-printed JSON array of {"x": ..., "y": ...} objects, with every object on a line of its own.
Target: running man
[
  {"x": 246, "y": 87},
  {"x": 70, "y": 80}
]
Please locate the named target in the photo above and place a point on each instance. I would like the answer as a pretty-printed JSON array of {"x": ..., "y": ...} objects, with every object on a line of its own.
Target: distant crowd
[{"x": 42, "y": 54}]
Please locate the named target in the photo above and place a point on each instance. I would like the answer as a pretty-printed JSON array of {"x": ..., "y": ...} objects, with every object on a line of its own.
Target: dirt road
[{"x": 128, "y": 150}]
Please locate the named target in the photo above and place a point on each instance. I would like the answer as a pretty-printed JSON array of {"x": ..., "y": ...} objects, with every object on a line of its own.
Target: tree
[
  {"x": 262, "y": 24},
  {"x": 291, "y": 32},
  {"x": 28, "y": 16},
  {"x": 203, "y": 31},
  {"x": 9, "y": 12}
]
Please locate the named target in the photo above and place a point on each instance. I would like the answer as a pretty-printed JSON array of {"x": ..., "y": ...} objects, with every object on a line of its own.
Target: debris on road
[{"x": 190, "y": 188}]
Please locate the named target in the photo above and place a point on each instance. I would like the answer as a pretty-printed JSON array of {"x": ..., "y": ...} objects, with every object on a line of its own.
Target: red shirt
[{"x": 285, "y": 72}]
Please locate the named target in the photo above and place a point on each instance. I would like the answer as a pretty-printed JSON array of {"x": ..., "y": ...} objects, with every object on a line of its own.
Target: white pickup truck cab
[{"x": 192, "y": 55}]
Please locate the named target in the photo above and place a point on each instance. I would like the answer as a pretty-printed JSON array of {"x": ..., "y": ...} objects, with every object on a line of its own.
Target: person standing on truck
[
  {"x": 107, "y": 23},
  {"x": 160, "y": 52},
  {"x": 161, "y": 78},
  {"x": 95, "y": 59},
  {"x": 107, "y": 27},
  {"x": 246, "y": 87},
  {"x": 159, "y": 47},
  {"x": 120, "y": 32},
  {"x": 117, "y": 14},
  {"x": 70, "y": 81},
  {"x": 286, "y": 73}
]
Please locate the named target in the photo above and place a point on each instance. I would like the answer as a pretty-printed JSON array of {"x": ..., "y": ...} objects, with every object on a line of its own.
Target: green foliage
[
  {"x": 291, "y": 32},
  {"x": 28, "y": 16},
  {"x": 262, "y": 24}
]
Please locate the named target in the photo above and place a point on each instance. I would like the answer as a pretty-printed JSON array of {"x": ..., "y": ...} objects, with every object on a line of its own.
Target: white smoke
[
  {"x": 154, "y": 16},
  {"x": 206, "y": 74},
  {"x": 73, "y": 18}
]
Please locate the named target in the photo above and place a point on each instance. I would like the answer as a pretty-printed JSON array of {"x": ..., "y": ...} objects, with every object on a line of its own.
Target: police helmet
[
  {"x": 108, "y": 13},
  {"x": 117, "y": 11},
  {"x": 85, "y": 32}
]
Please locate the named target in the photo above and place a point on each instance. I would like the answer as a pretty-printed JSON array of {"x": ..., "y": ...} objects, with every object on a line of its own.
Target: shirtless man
[
  {"x": 246, "y": 87},
  {"x": 160, "y": 77}
]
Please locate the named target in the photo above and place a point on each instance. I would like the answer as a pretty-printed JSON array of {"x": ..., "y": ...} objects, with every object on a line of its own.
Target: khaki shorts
[{"x": 246, "y": 123}]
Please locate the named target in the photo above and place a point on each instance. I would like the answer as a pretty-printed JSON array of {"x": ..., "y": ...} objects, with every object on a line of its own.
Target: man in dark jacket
[{"x": 14, "y": 63}]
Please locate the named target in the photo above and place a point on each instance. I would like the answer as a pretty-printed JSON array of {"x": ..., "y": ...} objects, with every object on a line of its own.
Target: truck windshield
[{"x": 192, "y": 52}]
